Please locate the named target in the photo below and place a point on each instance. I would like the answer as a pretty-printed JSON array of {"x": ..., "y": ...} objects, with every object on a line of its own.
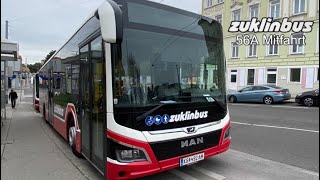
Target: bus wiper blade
[
  {"x": 219, "y": 103},
  {"x": 146, "y": 114},
  {"x": 143, "y": 116},
  {"x": 204, "y": 97}
]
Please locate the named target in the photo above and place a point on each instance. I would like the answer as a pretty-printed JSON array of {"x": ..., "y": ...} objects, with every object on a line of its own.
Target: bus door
[
  {"x": 92, "y": 93},
  {"x": 85, "y": 100},
  {"x": 50, "y": 96}
]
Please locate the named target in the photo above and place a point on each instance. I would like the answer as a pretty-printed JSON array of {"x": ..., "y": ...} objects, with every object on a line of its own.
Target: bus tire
[
  {"x": 44, "y": 114},
  {"x": 72, "y": 137}
]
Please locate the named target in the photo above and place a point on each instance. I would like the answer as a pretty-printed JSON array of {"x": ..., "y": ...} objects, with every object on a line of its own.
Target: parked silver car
[{"x": 267, "y": 94}]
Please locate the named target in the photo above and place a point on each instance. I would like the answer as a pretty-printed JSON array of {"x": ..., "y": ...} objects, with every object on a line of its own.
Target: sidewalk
[{"x": 30, "y": 152}]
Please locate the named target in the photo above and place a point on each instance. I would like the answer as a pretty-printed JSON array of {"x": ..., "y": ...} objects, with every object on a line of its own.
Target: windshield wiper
[
  {"x": 144, "y": 115},
  {"x": 205, "y": 97}
]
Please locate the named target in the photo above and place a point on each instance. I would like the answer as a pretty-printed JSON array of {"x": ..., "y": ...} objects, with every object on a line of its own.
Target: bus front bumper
[{"x": 121, "y": 171}]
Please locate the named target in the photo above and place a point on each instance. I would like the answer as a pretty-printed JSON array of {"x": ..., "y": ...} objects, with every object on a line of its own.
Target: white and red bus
[
  {"x": 139, "y": 89},
  {"x": 35, "y": 84}
]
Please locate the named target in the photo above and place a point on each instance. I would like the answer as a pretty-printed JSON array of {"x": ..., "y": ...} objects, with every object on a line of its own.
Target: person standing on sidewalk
[{"x": 13, "y": 96}]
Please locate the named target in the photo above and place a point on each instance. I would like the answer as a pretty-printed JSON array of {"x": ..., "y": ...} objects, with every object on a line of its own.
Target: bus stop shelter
[{"x": 9, "y": 52}]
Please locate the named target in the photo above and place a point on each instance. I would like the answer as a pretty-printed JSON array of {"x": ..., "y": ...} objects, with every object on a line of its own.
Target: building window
[
  {"x": 234, "y": 50},
  {"x": 298, "y": 46},
  {"x": 219, "y": 1},
  {"x": 317, "y": 75},
  {"x": 272, "y": 75},
  {"x": 209, "y": 3},
  {"x": 275, "y": 8},
  {"x": 299, "y": 6},
  {"x": 251, "y": 76},
  {"x": 273, "y": 49},
  {"x": 236, "y": 15},
  {"x": 219, "y": 18},
  {"x": 295, "y": 74},
  {"x": 254, "y": 11},
  {"x": 252, "y": 50},
  {"x": 233, "y": 78}
]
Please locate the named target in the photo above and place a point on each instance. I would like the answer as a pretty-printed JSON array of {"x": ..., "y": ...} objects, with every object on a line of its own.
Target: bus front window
[
  {"x": 157, "y": 66},
  {"x": 168, "y": 62}
]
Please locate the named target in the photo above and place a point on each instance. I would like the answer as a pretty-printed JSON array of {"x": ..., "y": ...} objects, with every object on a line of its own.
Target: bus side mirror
[{"x": 110, "y": 16}]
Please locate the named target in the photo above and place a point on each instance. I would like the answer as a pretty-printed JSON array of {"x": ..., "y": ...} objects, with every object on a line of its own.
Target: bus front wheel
[{"x": 72, "y": 137}]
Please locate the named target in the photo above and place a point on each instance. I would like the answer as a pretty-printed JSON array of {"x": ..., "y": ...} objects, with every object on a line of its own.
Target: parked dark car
[
  {"x": 309, "y": 98},
  {"x": 267, "y": 94}
]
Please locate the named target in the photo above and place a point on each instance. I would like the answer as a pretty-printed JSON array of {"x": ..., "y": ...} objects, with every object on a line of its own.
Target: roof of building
[{"x": 8, "y": 41}]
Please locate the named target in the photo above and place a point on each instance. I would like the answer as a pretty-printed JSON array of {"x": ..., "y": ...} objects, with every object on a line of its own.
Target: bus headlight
[
  {"x": 130, "y": 155},
  {"x": 227, "y": 133},
  {"x": 125, "y": 153}
]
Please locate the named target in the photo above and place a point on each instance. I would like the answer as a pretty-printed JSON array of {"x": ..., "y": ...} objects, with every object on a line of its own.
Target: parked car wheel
[
  {"x": 268, "y": 100},
  {"x": 308, "y": 101},
  {"x": 232, "y": 99}
]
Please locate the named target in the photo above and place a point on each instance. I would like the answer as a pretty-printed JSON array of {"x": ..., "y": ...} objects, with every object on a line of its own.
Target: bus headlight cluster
[
  {"x": 130, "y": 155},
  {"x": 227, "y": 133},
  {"x": 125, "y": 153}
]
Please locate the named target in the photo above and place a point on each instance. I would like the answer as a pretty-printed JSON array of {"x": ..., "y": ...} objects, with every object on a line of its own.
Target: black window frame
[{"x": 291, "y": 75}]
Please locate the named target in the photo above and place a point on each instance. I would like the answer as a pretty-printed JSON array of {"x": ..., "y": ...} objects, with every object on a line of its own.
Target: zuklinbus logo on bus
[
  {"x": 267, "y": 25},
  {"x": 183, "y": 116}
]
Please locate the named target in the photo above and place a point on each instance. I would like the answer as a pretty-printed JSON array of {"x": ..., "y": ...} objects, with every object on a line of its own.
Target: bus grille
[{"x": 170, "y": 149}]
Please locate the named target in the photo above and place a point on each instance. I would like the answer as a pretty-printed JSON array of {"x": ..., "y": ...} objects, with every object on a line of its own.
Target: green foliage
[
  {"x": 62, "y": 99},
  {"x": 51, "y": 53},
  {"x": 34, "y": 67}
]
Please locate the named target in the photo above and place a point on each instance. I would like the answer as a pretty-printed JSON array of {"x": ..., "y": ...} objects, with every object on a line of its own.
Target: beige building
[{"x": 293, "y": 66}]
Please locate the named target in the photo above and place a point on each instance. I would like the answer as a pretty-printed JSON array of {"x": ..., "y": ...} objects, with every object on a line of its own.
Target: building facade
[
  {"x": 13, "y": 64},
  {"x": 295, "y": 67}
]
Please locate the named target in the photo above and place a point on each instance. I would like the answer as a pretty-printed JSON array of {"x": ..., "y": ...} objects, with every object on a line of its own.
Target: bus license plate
[{"x": 191, "y": 159}]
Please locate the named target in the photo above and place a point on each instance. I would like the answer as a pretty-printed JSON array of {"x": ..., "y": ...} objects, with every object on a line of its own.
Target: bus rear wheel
[
  {"x": 72, "y": 137},
  {"x": 44, "y": 113}
]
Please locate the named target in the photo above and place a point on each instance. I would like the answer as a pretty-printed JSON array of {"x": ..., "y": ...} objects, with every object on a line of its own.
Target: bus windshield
[{"x": 168, "y": 56}]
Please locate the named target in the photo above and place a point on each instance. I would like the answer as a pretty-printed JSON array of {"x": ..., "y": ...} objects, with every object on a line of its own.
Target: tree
[
  {"x": 34, "y": 67},
  {"x": 51, "y": 53}
]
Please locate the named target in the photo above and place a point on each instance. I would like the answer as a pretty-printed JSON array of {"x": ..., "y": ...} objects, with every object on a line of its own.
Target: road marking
[
  {"x": 274, "y": 106},
  {"x": 208, "y": 173},
  {"x": 253, "y": 105},
  {"x": 291, "y": 107},
  {"x": 270, "y": 163},
  {"x": 309, "y": 172},
  {"x": 277, "y": 127},
  {"x": 182, "y": 175},
  {"x": 267, "y": 162}
]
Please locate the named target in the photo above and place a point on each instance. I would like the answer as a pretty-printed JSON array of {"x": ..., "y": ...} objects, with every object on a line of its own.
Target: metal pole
[
  {"x": 5, "y": 74},
  {"x": 7, "y": 29},
  {"x": 5, "y": 88},
  {"x": 20, "y": 90}
]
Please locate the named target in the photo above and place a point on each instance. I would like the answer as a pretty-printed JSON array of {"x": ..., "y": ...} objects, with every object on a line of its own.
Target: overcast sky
[{"x": 40, "y": 26}]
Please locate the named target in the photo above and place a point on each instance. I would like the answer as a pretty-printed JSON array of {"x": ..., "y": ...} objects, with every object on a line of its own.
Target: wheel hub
[{"x": 72, "y": 135}]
